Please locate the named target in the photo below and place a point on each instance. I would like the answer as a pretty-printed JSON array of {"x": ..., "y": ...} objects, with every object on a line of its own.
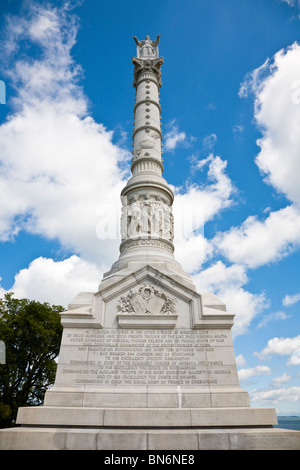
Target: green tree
[{"x": 31, "y": 332}]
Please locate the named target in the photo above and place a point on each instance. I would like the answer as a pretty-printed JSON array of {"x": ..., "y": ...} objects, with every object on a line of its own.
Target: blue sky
[{"x": 230, "y": 117}]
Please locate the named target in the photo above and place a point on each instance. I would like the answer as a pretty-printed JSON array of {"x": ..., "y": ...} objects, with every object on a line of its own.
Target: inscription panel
[
  {"x": 286, "y": 440},
  {"x": 147, "y": 357}
]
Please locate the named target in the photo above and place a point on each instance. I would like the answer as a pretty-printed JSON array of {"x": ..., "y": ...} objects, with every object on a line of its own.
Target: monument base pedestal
[
  {"x": 62, "y": 438},
  {"x": 83, "y": 428},
  {"x": 147, "y": 363}
]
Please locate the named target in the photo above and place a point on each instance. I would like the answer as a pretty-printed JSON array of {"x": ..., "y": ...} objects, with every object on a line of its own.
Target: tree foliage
[{"x": 31, "y": 332}]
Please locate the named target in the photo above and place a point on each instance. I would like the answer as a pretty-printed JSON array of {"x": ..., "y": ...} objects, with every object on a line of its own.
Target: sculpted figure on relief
[{"x": 150, "y": 215}]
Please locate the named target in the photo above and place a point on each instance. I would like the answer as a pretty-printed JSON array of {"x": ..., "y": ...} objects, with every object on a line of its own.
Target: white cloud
[
  {"x": 256, "y": 242},
  {"x": 238, "y": 129},
  {"x": 196, "y": 205},
  {"x": 252, "y": 80},
  {"x": 209, "y": 142},
  {"x": 281, "y": 347},
  {"x": 278, "y": 381},
  {"x": 292, "y": 3},
  {"x": 290, "y": 299},
  {"x": 245, "y": 374},
  {"x": 192, "y": 252},
  {"x": 240, "y": 360},
  {"x": 220, "y": 277},
  {"x": 245, "y": 305},
  {"x": 294, "y": 359},
  {"x": 60, "y": 172},
  {"x": 271, "y": 317},
  {"x": 289, "y": 394},
  {"x": 203, "y": 203},
  {"x": 56, "y": 282},
  {"x": 276, "y": 87},
  {"x": 199, "y": 164},
  {"x": 174, "y": 137},
  {"x": 227, "y": 283}
]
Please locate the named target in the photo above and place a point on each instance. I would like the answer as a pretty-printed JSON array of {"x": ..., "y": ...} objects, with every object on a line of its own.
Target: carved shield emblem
[{"x": 146, "y": 300}]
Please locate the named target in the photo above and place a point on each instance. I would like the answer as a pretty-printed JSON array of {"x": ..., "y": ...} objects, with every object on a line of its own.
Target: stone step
[
  {"x": 146, "y": 417},
  {"x": 128, "y": 439}
]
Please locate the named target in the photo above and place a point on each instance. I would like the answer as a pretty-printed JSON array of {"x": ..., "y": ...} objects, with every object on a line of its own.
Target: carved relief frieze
[
  {"x": 146, "y": 300},
  {"x": 147, "y": 214}
]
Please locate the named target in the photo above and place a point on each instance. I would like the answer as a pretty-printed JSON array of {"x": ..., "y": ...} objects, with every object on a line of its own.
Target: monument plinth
[{"x": 147, "y": 362}]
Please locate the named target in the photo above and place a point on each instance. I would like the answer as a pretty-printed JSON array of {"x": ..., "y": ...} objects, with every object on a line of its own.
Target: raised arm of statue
[
  {"x": 138, "y": 43},
  {"x": 156, "y": 40}
]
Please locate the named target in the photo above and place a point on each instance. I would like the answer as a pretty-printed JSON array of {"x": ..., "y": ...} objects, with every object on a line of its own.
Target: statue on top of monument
[{"x": 147, "y": 49}]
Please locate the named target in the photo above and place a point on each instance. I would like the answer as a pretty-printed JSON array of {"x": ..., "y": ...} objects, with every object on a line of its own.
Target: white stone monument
[{"x": 147, "y": 362}]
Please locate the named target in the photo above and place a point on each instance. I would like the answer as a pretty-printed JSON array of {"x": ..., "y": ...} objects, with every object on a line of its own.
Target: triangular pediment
[{"x": 116, "y": 285}]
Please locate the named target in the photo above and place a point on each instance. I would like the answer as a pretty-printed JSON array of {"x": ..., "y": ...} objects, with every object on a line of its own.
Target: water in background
[{"x": 288, "y": 422}]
